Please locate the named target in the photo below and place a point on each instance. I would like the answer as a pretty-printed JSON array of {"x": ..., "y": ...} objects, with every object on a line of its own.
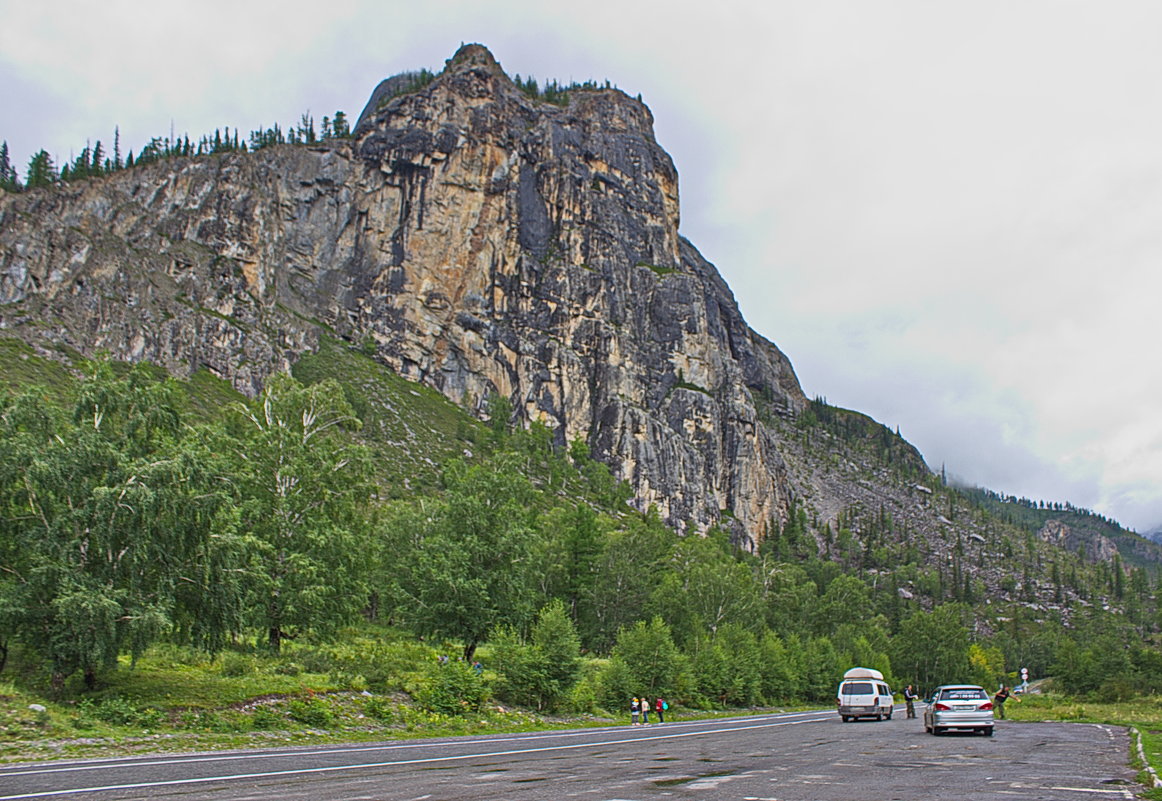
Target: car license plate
[{"x": 964, "y": 707}]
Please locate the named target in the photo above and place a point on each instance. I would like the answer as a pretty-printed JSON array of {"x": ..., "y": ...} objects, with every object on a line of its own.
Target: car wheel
[
  {"x": 988, "y": 731},
  {"x": 844, "y": 718},
  {"x": 890, "y": 714},
  {"x": 937, "y": 731}
]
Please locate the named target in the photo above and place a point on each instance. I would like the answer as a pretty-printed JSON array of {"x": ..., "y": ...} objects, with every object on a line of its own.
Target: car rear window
[
  {"x": 963, "y": 695},
  {"x": 857, "y": 688}
]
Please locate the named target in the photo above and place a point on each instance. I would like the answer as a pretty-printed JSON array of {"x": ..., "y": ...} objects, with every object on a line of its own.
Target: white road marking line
[
  {"x": 123, "y": 762},
  {"x": 394, "y": 763},
  {"x": 1124, "y": 792}
]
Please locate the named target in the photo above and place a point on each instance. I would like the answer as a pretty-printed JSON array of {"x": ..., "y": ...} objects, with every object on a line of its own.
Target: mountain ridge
[
  {"x": 484, "y": 243},
  {"x": 555, "y": 242}
]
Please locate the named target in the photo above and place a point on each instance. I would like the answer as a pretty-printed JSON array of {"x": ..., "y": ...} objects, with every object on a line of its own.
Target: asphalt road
[{"x": 789, "y": 757}]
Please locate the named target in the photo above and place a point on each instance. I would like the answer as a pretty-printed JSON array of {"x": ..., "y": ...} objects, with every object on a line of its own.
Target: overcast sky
[{"x": 947, "y": 214}]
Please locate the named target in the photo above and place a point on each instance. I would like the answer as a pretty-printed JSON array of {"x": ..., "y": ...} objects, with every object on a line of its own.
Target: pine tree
[
  {"x": 96, "y": 164},
  {"x": 80, "y": 166},
  {"x": 306, "y": 130},
  {"x": 41, "y": 170},
  {"x": 9, "y": 180}
]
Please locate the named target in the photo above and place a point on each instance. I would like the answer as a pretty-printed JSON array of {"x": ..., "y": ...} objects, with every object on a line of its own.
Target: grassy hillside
[
  {"x": 413, "y": 429},
  {"x": 21, "y": 367}
]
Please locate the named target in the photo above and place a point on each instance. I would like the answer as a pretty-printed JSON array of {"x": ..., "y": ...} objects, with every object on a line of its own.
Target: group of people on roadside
[{"x": 639, "y": 710}]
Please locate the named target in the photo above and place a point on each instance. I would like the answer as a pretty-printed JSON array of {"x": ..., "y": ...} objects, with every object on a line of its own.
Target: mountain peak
[{"x": 473, "y": 55}]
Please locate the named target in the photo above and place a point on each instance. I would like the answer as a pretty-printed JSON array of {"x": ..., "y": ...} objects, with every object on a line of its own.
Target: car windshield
[
  {"x": 963, "y": 695},
  {"x": 858, "y": 688}
]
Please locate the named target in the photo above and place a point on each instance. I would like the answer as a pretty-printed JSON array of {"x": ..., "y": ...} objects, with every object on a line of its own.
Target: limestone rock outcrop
[
  {"x": 1094, "y": 547},
  {"x": 480, "y": 240}
]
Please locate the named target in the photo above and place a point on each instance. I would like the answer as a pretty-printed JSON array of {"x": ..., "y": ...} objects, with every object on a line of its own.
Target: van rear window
[{"x": 857, "y": 688}]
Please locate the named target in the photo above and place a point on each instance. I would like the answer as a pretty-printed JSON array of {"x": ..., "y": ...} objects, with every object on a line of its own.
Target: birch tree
[
  {"x": 303, "y": 487},
  {"x": 104, "y": 515}
]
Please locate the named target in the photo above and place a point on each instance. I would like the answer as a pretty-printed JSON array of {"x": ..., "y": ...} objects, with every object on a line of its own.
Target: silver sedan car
[{"x": 959, "y": 706}]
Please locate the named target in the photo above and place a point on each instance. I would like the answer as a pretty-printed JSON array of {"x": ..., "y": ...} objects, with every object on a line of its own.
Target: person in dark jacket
[
  {"x": 910, "y": 700},
  {"x": 999, "y": 700}
]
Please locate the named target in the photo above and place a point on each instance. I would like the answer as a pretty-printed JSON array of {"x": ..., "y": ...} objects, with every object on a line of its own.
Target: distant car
[
  {"x": 863, "y": 694},
  {"x": 959, "y": 706}
]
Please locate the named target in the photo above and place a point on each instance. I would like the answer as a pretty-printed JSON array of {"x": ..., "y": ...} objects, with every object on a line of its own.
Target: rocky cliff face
[
  {"x": 1095, "y": 547},
  {"x": 483, "y": 242}
]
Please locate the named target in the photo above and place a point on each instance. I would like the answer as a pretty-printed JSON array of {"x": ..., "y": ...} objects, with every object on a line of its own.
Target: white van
[{"x": 863, "y": 694}]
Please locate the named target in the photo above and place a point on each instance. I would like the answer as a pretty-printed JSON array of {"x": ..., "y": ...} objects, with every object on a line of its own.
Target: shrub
[
  {"x": 187, "y": 719},
  {"x": 116, "y": 711},
  {"x": 311, "y": 712},
  {"x": 234, "y": 665},
  {"x": 265, "y": 718},
  {"x": 381, "y": 664},
  {"x": 539, "y": 673},
  {"x": 582, "y": 697},
  {"x": 83, "y": 723},
  {"x": 150, "y": 718},
  {"x": 381, "y": 709},
  {"x": 1115, "y": 690},
  {"x": 170, "y": 654},
  {"x": 453, "y": 688},
  {"x": 213, "y": 721}
]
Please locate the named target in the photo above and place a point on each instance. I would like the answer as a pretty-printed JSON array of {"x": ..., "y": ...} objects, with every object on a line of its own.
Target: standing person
[
  {"x": 645, "y": 711},
  {"x": 999, "y": 699},
  {"x": 635, "y": 709},
  {"x": 660, "y": 707},
  {"x": 910, "y": 699}
]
